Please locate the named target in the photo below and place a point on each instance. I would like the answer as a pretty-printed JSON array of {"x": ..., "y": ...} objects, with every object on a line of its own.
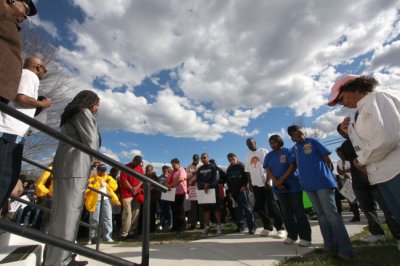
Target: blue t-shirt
[
  {"x": 278, "y": 163},
  {"x": 313, "y": 171}
]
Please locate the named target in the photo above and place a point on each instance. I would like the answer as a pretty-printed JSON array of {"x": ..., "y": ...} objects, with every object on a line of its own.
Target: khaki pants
[{"x": 130, "y": 216}]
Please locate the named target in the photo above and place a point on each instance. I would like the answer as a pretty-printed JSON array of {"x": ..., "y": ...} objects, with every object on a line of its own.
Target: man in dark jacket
[
  {"x": 237, "y": 181},
  {"x": 208, "y": 178}
]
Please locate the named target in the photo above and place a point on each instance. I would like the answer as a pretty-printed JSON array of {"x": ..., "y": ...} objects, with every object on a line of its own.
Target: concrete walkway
[{"x": 233, "y": 249}]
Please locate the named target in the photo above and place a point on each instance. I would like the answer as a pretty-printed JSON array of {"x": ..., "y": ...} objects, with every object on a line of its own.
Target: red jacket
[{"x": 125, "y": 193}]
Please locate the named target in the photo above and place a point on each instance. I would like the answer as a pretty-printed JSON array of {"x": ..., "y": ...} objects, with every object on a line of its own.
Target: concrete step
[
  {"x": 17, "y": 250},
  {"x": 21, "y": 255}
]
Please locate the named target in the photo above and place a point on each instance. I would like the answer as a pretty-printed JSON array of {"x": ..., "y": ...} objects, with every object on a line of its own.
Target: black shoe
[
  {"x": 239, "y": 230},
  {"x": 123, "y": 238},
  {"x": 251, "y": 231},
  {"x": 355, "y": 219},
  {"x": 77, "y": 263}
]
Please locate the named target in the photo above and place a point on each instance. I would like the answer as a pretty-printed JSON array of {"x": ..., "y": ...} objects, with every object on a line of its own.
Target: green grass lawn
[
  {"x": 365, "y": 254},
  {"x": 165, "y": 237}
]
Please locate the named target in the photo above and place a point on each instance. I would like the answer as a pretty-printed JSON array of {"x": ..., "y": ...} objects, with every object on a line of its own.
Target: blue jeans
[
  {"x": 243, "y": 208},
  {"x": 330, "y": 222},
  {"x": 294, "y": 216},
  {"x": 107, "y": 219},
  {"x": 390, "y": 191}
]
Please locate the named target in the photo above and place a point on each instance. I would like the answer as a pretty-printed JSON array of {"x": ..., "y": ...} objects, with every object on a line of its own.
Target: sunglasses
[{"x": 44, "y": 68}]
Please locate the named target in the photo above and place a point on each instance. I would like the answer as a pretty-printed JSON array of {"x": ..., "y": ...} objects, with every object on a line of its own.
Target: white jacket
[{"x": 375, "y": 135}]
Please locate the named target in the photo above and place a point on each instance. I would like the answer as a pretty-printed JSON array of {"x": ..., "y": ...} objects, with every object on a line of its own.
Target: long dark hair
[{"x": 84, "y": 99}]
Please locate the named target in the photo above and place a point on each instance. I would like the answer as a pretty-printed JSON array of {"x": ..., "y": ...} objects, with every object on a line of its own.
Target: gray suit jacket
[{"x": 69, "y": 161}]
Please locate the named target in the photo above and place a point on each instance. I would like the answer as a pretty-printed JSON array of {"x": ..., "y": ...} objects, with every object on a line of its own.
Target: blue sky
[{"x": 182, "y": 77}]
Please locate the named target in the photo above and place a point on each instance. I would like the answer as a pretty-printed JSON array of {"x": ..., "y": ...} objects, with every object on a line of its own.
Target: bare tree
[{"x": 40, "y": 147}]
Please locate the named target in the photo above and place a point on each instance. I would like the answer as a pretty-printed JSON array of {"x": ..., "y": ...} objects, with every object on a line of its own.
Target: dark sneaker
[{"x": 355, "y": 219}]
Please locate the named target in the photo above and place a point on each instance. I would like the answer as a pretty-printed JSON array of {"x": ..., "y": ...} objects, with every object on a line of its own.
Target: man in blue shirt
[{"x": 315, "y": 166}]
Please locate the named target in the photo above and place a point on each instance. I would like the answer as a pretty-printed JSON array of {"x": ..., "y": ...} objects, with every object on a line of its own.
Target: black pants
[
  {"x": 178, "y": 213},
  {"x": 366, "y": 196},
  {"x": 267, "y": 208},
  {"x": 10, "y": 166}
]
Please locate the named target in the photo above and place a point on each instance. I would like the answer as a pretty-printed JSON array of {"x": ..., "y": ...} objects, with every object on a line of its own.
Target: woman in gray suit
[{"x": 71, "y": 172}]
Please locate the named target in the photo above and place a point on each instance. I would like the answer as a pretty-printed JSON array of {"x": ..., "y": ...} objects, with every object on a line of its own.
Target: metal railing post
[
  {"x": 64, "y": 244},
  {"x": 99, "y": 225},
  {"x": 146, "y": 225}
]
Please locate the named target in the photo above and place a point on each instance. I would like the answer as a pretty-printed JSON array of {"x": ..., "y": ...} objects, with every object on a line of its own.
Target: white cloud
[
  {"x": 232, "y": 60},
  {"x": 108, "y": 152},
  {"x": 327, "y": 123},
  {"x": 130, "y": 154},
  {"x": 49, "y": 27},
  {"x": 127, "y": 144}
]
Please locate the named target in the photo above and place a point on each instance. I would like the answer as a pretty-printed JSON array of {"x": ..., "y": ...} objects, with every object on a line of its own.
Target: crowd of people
[{"x": 276, "y": 179}]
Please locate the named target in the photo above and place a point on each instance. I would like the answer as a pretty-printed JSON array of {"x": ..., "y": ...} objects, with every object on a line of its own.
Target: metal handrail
[
  {"x": 86, "y": 149},
  {"x": 147, "y": 182},
  {"x": 62, "y": 243},
  {"x": 47, "y": 210},
  {"x": 36, "y": 164},
  {"x": 98, "y": 229}
]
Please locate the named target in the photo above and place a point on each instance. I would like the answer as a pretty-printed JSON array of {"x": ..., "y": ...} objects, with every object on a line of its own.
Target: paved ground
[{"x": 232, "y": 249}]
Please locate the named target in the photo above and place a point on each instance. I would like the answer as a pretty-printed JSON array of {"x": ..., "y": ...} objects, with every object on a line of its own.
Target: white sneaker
[
  {"x": 265, "y": 232},
  {"x": 281, "y": 234},
  {"x": 206, "y": 229},
  {"x": 110, "y": 240},
  {"x": 304, "y": 243},
  {"x": 219, "y": 230},
  {"x": 289, "y": 241},
  {"x": 374, "y": 239},
  {"x": 89, "y": 242}
]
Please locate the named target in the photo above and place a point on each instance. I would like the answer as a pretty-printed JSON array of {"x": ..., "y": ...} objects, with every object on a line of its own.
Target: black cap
[{"x": 32, "y": 8}]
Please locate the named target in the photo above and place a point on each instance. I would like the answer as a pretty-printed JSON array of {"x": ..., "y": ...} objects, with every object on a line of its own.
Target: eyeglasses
[
  {"x": 44, "y": 68},
  {"x": 340, "y": 97}
]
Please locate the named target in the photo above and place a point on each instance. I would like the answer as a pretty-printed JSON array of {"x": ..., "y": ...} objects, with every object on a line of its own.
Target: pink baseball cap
[{"x": 336, "y": 87}]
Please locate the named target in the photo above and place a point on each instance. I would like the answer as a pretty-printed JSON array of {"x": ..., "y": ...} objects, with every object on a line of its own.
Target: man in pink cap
[{"x": 374, "y": 132}]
